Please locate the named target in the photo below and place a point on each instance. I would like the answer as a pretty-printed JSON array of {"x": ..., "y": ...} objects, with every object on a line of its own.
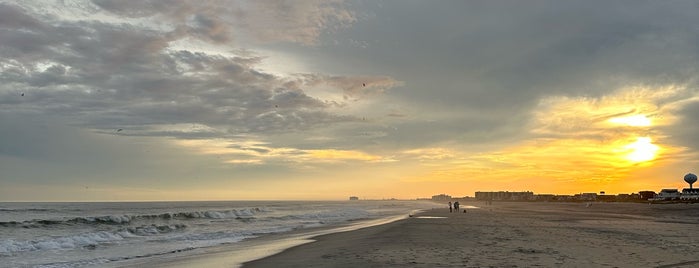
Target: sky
[{"x": 109, "y": 100}]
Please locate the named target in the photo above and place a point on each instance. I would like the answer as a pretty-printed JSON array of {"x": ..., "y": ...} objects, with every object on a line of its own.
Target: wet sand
[
  {"x": 235, "y": 254},
  {"x": 514, "y": 235}
]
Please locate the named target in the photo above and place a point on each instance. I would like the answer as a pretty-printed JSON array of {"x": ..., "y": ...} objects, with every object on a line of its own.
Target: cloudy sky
[{"x": 211, "y": 100}]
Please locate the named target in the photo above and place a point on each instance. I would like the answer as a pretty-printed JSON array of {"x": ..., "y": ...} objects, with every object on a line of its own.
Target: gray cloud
[
  {"x": 498, "y": 59},
  {"x": 684, "y": 132},
  {"x": 222, "y": 20},
  {"x": 273, "y": 80},
  {"x": 108, "y": 76}
]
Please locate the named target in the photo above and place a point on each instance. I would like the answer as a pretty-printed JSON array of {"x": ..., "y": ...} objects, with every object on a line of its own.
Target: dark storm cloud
[{"x": 499, "y": 59}]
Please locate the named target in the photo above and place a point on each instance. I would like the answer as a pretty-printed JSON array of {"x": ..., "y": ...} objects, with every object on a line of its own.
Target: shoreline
[
  {"x": 236, "y": 254},
  {"x": 511, "y": 235}
]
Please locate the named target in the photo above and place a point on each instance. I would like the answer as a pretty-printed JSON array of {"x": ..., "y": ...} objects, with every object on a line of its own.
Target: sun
[{"x": 642, "y": 150}]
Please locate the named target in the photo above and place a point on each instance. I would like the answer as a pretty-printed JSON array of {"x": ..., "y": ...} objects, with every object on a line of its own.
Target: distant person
[
  {"x": 456, "y": 206},
  {"x": 450, "y": 209}
]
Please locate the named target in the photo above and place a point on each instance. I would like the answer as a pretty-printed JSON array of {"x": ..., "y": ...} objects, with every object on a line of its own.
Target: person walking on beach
[
  {"x": 450, "y": 207},
  {"x": 456, "y": 206}
]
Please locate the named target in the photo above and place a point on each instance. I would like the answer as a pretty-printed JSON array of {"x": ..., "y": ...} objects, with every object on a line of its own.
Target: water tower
[{"x": 690, "y": 178}]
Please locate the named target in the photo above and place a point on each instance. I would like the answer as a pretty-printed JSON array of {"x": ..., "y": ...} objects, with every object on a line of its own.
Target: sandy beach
[{"x": 513, "y": 235}]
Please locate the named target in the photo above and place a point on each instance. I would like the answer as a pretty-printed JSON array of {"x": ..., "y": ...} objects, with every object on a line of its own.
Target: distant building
[
  {"x": 564, "y": 198},
  {"x": 645, "y": 195},
  {"x": 606, "y": 198},
  {"x": 441, "y": 197},
  {"x": 690, "y": 194},
  {"x": 625, "y": 197},
  {"x": 545, "y": 197},
  {"x": 505, "y": 196},
  {"x": 586, "y": 196},
  {"x": 353, "y": 198},
  {"x": 667, "y": 195}
]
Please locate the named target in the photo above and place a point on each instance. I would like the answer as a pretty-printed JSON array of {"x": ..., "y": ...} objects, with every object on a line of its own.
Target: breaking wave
[
  {"x": 86, "y": 240},
  {"x": 247, "y": 213}
]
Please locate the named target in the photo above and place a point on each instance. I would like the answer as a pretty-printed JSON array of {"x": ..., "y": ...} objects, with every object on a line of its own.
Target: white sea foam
[
  {"x": 80, "y": 234},
  {"x": 70, "y": 242},
  {"x": 91, "y": 239},
  {"x": 125, "y": 219}
]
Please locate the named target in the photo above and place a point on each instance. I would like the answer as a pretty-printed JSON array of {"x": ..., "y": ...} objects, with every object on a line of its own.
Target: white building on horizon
[{"x": 668, "y": 195}]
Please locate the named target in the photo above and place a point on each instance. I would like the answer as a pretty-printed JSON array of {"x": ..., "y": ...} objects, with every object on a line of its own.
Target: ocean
[{"x": 101, "y": 233}]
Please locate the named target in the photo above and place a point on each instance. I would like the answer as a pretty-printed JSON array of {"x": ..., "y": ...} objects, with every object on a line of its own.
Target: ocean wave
[
  {"x": 99, "y": 261},
  {"x": 153, "y": 229},
  {"x": 246, "y": 213},
  {"x": 330, "y": 216},
  {"x": 224, "y": 214},
  {"x": 86, "y": 240},
  {"x": 111, "y": 219},
  {"x": 27, "y": 209}
]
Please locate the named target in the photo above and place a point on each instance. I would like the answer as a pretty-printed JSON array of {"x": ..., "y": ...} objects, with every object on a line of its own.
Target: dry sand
[{"x": 514, "y": 235}]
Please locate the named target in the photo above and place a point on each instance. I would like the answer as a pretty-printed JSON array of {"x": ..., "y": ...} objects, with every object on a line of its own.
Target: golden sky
[{"x": 228, "y": 100}]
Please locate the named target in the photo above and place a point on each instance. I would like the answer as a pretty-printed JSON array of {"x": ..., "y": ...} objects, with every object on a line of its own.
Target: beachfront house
[
  {"x": 545, "y": 197},
  {"x": 645, "y": 195},
  {"x": 690, "y": 194},
  {"x": 505, "y": 196},
  {"x": 586, "y": 197},
  {"x": 668, "y": 195},
  {"x": 441, "y": 198}
]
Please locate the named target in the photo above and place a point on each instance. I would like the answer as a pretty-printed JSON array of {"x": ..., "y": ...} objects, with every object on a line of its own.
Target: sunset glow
[
  {"x": 642, "y": 150},
  {"x": 328, "y": 99},
  {"x": 634, "y": 121}
]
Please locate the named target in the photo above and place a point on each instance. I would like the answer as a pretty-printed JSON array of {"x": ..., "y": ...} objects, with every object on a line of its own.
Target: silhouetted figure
[
  {"x": 456, "y": 206},
  {"x": 450, "y": 209},
  {"x": 363, "y": 84}
]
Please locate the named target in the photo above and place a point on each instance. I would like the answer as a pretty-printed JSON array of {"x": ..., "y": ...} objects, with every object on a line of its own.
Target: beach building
[
  {"x": 628, "y": 197},
  {"x": 565, "y": 198},
  {"x": 606, "y": 198},
  {"x": 645, "y": 195},
  {"x": 667, "y": 195},
  {"x": 544, "y": 197},
  {"x": 586, "y": 196},
  {"x": 441, "y": 197},
  {"x": 690, "y": 194},
  {"x": 505, "y": 196},
  {"x": 624, "y": 196}
]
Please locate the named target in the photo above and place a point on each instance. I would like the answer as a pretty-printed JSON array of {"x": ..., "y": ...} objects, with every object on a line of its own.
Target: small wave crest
[
  {"x": 246, "y": 213},
  {"x": 224, "y": 214},
  {"x": 26, "y": 209}
]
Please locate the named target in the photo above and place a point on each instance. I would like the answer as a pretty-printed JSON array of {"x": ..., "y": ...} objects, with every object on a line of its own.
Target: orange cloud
[{"x": 578, "y": 143}]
